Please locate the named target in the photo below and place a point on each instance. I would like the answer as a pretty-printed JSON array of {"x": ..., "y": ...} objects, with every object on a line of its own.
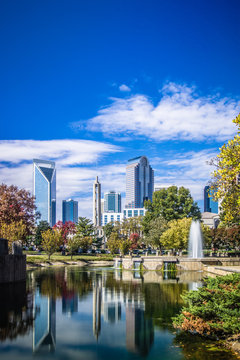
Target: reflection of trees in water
[
  {"x": 162, "y": 300},
  {"x": 16, "y": 310},
  {"x": 63, "y": 282}
]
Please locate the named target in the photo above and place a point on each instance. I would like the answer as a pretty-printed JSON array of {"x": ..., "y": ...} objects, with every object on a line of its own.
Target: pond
[{"x": 101, "y": 313}]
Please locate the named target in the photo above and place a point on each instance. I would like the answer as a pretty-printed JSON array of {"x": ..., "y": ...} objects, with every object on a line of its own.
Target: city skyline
[{"x": 113, "y": 81}]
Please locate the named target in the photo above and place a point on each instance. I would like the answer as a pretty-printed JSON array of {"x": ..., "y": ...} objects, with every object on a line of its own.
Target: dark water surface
[{"x": 80, "y": 313}]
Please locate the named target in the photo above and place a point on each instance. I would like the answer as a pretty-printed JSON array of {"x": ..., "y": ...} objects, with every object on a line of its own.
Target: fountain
[{"x": 195, "y": 245}]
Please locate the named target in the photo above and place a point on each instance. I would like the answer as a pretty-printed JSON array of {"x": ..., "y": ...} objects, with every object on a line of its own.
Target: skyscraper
[
  {"x": 112, "y": 202},
  {"x": 97, "y": 203},
  {"x": 69, "y": 211},
  {"x": 139, "y": 182},
  {"x": 209, "y": 204},
  {"x": 44, "y": 189}
]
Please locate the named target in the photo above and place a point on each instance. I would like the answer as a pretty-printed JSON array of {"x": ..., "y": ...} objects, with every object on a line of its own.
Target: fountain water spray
[{"x": 195, "y": 244}]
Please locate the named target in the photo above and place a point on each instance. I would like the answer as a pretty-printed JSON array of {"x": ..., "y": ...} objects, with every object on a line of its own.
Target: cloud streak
[
  {"x": 181, "y": 114},
  {"x": 76, "y": 162}
]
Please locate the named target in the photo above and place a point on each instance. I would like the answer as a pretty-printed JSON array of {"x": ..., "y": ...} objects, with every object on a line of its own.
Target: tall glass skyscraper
[
  {"x": 69, "y": 211},
  {"x": 209, "y": 204},
  {"x": 139, "y": 182},
  {"x": 112, "y": 202},
  {"x": 44, "y": 189}
]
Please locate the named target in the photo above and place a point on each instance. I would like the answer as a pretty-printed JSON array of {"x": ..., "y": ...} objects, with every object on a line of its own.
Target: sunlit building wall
[
  {"x": 44, "y": 189},
  {"x": 139, "y": 182}
]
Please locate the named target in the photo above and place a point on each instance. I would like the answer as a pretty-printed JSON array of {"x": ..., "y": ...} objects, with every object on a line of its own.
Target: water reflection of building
[
  {"x": 70, "y": 304},
  {"x": 97, "y": 301},
  {"x": 109, "y": 301},
  {"x": 139, "y": 331},
  {"x": 44, "y": 330}
]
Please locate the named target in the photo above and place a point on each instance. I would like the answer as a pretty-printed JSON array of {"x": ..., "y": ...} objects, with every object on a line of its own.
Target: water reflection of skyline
[{"x": 136, "y": 303}]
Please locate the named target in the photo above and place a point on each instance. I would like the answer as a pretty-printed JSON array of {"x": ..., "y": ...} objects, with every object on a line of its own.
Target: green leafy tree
[
  {"x": 226, "y": 179},
  {"x": 177, "y": 234},
  {"x": 85, "y": 242},
  {"x": 157, "y": 228},
  {"x": 114, "y": 242},
  {"x": 73, "y": 244},
  {"x": 52, "y": 239},
  {"x": 42, "y": 226},
  {"x": 108, "y": 229},
  {"x": 124, "y": 246},
  {"x": 214, "y": 309},
  {"x": 84, "y": 227},
  {"x": 171, "y": 204}
]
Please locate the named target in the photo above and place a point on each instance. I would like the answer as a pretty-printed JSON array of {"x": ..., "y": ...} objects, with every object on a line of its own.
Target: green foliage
[
  {"x": 172, "y": 203},
  {"x": 52, "y": 239},
  {"x": 157, "y": 227},
  {"x": 214, "y": 309},
  {"x": 84, "y": 227},
  {"x": 207, "y": 235},
  {"x": 108, "y": 229},
  {"x": 125, "y": 246},
  {"x": 84, "y": 242},
  {"x": 114, "y": 242},
  {"x": 177, "y": 234},
  {"x": 42, "y": 226},
  {"x": 73, "y": 244},
  {"x": 226, "y": 179}
]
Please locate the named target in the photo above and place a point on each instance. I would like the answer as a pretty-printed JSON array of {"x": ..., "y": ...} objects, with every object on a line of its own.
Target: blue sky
[{"x": 91, "y": 84}]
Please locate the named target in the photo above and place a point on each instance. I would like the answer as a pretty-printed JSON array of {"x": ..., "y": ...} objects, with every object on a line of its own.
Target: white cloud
[
  {"x": 73, "y": 181},
  {"x": 124, "y": 88},
  {"x": 181, "y": 114},
  {"x": 65, "y": 152},
  {"x": 190, "y": 170}
]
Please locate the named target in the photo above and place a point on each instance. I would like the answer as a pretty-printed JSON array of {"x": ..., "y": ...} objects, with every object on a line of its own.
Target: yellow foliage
[
  {"x": 227, "y": 179},
  {"x": 13, "y": 231}
]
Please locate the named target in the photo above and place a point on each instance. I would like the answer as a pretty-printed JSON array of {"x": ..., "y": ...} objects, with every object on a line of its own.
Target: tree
[
  {"x": 66, "y": 229},
  {"x": 84, "y": 227},
  {"x": 157, "y": 228},
  {"x": 177, "y": 234},
  {"x": 42, "y": 226},
  {"x": 114, "y": 242},
  {"x": 12, "y": 232},
  {"x": 226, "y": 179},
  {"x": 51, "y": 241},
  {"x": 108, "y": 229},
  {"x": 134, "y": 238},
  {"x": 214, "y": 309},
  {"x": 171, "y": 203},
  {"x": 124, "y": 246},
  {"x": 84, "y": 242},
  {"x": 17, "y": 205},
  {"x": 73, "y": 244}
]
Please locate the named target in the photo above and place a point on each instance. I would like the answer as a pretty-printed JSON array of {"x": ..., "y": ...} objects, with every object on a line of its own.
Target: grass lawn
[{"x": 56, "y": 257}]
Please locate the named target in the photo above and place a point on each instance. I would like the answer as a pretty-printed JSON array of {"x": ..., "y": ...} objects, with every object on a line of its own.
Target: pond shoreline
[{"x": 82, "y": 263}]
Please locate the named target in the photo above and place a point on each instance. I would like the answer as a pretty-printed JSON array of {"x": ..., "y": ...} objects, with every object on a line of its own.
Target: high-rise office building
[
  {"x": 44, "y": 189},
  {"x": 112, "y": 202},
  {"x": 209, "y": 204},
  {"x": 69, "y": 211},
  {"x": 139, "y": 182},
  {"x": 97, "y": 203}
]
